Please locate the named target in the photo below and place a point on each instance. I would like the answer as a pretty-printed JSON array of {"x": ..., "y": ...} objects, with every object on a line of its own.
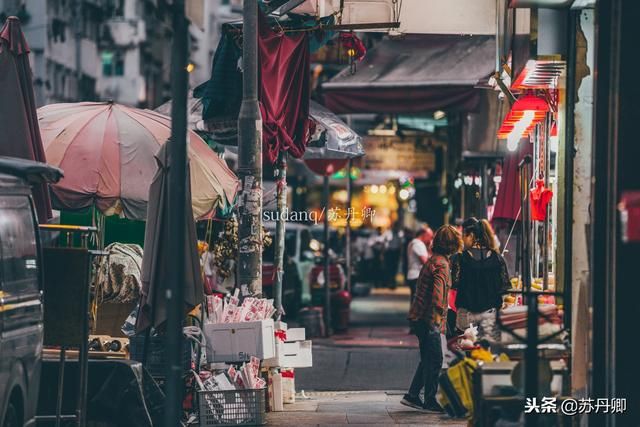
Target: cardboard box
[
  {"x": 275, "y": 391},
  {"x": 296, "y": 334},
  {"x": 237, "y": 342},
  {"x": 291, "y": 355},
  {"x": 303, "y": 358}
]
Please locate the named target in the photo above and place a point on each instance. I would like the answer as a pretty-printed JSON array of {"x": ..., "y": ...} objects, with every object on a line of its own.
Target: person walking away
[
  {"x": 417, "y": 256},
  {"x": 481, "y": 278},
  {"x": 378, "y": 245},
  {"x": 393, "y": 243},
  {"x": 428, "y": 315}
]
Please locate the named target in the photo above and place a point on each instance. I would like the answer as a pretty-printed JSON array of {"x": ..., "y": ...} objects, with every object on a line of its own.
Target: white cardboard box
[
  {"x": 303, "y": 359},
  {"x": 237, "y": 342},
  {"x": 296, "y": 334}
]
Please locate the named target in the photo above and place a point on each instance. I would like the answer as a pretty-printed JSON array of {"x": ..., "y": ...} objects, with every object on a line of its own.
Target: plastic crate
[
  {"x": 232, "y": 407},
  {"x": 156, "y": 363}
]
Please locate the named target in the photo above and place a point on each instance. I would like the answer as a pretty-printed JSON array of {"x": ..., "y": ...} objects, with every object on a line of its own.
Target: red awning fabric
[
  {"x": 20, "y": 134},
  {"x": 284, "y": 90},
  {"x": 418, "y": 73},
  {"x": 508, "y": 202}
]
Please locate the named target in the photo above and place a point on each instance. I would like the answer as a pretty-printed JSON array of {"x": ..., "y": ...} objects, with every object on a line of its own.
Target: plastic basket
[
  {"x": 156, "y": 363},
  {"x": 232, "y": 407}
]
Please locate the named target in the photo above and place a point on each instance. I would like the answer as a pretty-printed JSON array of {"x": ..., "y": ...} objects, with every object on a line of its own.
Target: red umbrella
[
  {"x": 20, "y": 135},
  {"x": 109, "y": 153}
]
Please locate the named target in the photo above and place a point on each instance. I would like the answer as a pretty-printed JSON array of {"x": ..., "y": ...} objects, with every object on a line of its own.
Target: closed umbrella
[
  {"x": 20, "y": 135},
  {"x": 156, "y": 258},
  {"x": 108, "y": 151}
]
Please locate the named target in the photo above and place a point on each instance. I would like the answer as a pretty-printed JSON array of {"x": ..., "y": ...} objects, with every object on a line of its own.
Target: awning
[{"x": 415, "y": 74}]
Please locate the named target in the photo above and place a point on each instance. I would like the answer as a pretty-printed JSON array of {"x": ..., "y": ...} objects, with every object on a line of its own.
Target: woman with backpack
[{"x": 480, "y": 277}]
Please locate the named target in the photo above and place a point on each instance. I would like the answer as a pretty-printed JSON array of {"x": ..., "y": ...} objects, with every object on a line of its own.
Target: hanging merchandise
[
  {"x": 284, "y": 90},
  {"x": 540, "y": 198},
  {"x": 354, "y": 47}
]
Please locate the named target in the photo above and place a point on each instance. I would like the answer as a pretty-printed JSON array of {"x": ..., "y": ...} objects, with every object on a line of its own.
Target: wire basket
[{"x": 232, "y": 407}]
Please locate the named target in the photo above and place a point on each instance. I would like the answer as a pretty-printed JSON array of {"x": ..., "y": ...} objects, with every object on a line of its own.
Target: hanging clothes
[
  {"x": 507, "y": 206},
  {"x": 284, "y": 90},
  {"x": 540, "y": 198}
]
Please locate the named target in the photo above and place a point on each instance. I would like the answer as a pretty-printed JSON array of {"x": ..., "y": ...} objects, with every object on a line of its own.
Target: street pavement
[
  {"x": 359, "y": 377},
  {"x": 355, "y": 408},
  {"x": 376, "y": 353}
]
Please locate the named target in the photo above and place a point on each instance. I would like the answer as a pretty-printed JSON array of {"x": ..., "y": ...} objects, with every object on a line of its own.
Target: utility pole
[
  {"x": 326, "y": 270},
  {"x": 250, "y": 160},
  {"x": 177, "y": 182}
]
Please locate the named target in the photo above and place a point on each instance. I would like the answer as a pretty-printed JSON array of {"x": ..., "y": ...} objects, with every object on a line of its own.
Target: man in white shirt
[{"x": 417, "y": 255}]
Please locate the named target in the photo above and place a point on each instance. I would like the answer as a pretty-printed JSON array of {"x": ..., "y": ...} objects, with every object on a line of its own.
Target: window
[
  {"x": 18, "y": 243},
  {"x": 112, "y": 64}
]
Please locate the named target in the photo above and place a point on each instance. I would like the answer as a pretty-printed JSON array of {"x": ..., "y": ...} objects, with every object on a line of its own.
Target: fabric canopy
[
  {"x": 507, "y": 207},
  {"x": 20, "y": 135},
  {"x": 284, "y": 90},
  {"x": 415, "y": 74}
]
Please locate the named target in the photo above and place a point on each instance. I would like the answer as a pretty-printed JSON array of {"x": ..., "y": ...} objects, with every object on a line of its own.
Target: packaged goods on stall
[{"x": 229, "y": 310}]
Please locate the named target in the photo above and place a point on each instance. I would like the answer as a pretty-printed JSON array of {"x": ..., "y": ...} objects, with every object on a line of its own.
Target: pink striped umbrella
[{"x": 108, "y": 153}]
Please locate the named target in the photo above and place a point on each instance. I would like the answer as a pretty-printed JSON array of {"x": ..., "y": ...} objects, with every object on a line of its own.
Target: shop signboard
[{"x": 410, "y": 154}]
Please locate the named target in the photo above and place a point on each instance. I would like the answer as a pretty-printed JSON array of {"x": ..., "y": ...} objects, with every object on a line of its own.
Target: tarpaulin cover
[
  {"x": 119, "y": 393},
  {"x": 415, "y": 74},
  {"x": 108, "y": 151},
  {"x": 19, "y": 132}
]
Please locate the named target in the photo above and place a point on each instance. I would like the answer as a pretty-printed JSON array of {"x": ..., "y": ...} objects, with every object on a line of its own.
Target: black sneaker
[
  {"x": 433, "y": 407},
  {"x": 412, "y": 402}
]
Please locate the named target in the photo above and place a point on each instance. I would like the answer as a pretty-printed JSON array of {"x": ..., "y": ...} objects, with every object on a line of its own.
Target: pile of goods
[
  {"x": 227, "y": 309},
  {"x": 117, "y": 277},
  {"x": 225, "y": 249},
  {"x": 223, "y": 377},
  {"x": 515, "y": 318}
]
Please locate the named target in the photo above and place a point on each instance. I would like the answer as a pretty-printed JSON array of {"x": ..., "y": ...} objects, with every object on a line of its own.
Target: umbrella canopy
[
  {"x": 108, "y": 152},
  {"x": 20, "y": 135},
  {"x": 157, "y": 255}
]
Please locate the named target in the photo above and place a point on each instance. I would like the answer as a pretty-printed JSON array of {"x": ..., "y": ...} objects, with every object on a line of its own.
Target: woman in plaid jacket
[{"x": 428, "y": 315}]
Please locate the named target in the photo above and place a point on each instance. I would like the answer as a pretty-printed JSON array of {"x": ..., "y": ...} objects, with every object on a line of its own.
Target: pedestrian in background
[
  {"x": 417, "y": 255},
  {"x": 481, "y": 278},
  {"x": 428, "y": 315},
  {"x": 393, "y": 247}
]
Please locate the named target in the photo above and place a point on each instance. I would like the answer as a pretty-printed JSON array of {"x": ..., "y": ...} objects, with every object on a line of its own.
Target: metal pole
[
  {"x": 545, "y": 224},
  {"x": 280, "y": 173},
  {"x": 177, "y": 179},
  {"x": 250, "y": 160},
  {"x": 327, "y": 288},
  {"x": 531, "y": 353},
  {"x": 348, "y": 230}
]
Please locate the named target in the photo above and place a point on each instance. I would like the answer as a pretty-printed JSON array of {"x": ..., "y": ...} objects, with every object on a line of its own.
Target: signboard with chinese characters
[{"x": 410, "y": 154}]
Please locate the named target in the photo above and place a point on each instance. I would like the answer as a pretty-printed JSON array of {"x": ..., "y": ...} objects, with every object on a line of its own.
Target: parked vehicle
[
  {"x": 297, "y": 265},
  {"x": 21, "y": 313}
]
